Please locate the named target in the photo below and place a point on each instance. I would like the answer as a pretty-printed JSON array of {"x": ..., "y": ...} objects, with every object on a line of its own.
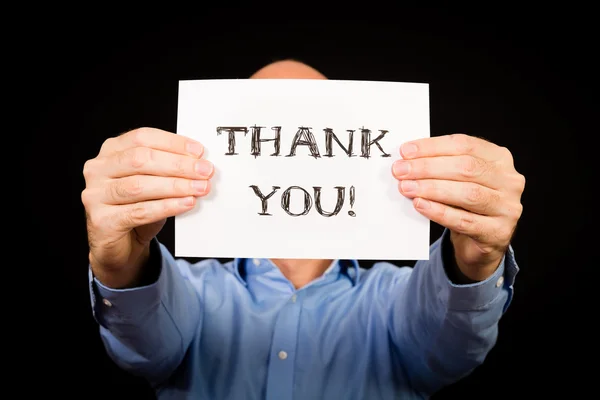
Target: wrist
[
  {"x": 459, "y": 269},
  {"x": 476, "y": 273},
  {"x": 121, "y": 276}
]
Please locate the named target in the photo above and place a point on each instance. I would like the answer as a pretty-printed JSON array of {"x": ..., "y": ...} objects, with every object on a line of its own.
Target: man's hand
[
  {"x": 469, "y": 186},
  {"x": 137, "y": 181}
]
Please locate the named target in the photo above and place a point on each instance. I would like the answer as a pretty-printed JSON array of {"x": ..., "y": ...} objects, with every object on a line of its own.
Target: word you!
[{"x": 305, "y": 137}]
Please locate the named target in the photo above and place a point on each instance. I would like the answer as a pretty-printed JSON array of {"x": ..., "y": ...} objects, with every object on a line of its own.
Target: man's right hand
[{"x": 136, "y": 182}]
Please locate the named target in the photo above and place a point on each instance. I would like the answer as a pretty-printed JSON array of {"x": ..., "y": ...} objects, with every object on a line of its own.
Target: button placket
[{"x": 280, "y": 380}]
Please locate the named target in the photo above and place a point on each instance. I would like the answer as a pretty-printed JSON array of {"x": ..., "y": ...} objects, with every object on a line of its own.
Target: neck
[{"x": 301, "y": 271}]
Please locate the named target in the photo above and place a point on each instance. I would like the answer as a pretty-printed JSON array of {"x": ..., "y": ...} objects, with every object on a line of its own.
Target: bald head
[{"x": 287, "y": 69}]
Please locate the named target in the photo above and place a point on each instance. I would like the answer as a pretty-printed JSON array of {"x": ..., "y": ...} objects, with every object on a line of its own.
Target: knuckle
[
  {"x": 427, "y": 188},
  {"x": 419, "y": 168},
  {"x": 504, "y": 233},
  {"x": 469, "y": 167},
  {"x": 88, "y": 169},
  {"x": 140, "y": 136},
  {"x": 506, "y": 155},
  {"x": 515, "y": 212},
  {"x": 434, "y": 190},
  {"x": 463, "y": 143},
  {"x": 475, "y": 194},
  {"x": 444, "y": 214},
  {"x": 174, "y": 142},
  {"x": 465, "y": 222},
  {"x": 86, "y": 198},
  {"x": 107, "y": 145},
  {"x": 93, "y": 167},
  {"x": 94, "y": 221},
  {"x": 180, "y": 166},
  {"x": 180, "y": 186},
  {"x": 139, "y": 157},
  {"x": 495, "y": 198},
  {"x": 138, "y": 214},
  {"x": 521, "y": 182},
  {"x": 126, "y": 188}
]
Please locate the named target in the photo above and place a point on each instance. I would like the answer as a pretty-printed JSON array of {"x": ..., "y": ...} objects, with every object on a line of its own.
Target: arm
[
  {"x": 445, "y": 317},
  {"x": 147, "y": 330},
  {"x": 443, "y": 330},
  {"x": 142, "y": 298}
]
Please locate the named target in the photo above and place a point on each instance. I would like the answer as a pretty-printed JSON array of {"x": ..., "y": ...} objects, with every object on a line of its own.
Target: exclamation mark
[{"x": 352, "y": 213}]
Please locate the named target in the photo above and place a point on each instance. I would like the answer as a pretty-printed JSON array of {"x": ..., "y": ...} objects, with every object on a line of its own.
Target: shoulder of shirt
[
  {"x": 384, "y": 270},
  {"x": 208, "y": 267}
]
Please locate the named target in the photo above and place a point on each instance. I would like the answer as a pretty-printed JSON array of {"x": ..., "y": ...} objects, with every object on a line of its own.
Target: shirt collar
[{"x": 243, "y": 266}]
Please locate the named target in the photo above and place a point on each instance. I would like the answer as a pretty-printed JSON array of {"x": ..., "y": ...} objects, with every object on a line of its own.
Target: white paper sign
[{"x": 321, "y": 202}]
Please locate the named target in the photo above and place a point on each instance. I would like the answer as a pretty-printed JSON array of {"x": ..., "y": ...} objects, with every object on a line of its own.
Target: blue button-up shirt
[{"x": 240, "y": 330}]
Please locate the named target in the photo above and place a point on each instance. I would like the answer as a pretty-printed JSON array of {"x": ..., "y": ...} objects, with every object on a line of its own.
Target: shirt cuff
[
  {"x": 125, "y": 305},
  {"x": 475, "y": 296}
]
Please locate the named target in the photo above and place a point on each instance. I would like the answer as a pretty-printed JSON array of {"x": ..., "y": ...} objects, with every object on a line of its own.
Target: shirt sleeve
[
  {"x": 443, "y": 330},
  {"x": 147, "y": 330}
]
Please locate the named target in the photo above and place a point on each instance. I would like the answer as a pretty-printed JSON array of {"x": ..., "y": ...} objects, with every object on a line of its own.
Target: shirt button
[
  {"x": 256, "y": 262},
  {"x": 294, "y": 297},
  {"x": 282, "y": 355},
  {"x": 500, "y": 281},
  {"x": 107, "y": 303}
]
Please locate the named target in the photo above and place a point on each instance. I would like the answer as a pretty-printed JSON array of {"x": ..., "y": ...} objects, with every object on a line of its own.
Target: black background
[{"x": 522, "y": 79}]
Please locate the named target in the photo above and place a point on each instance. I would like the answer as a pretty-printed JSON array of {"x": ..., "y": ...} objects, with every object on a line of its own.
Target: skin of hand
[
  {"x": 132, "y": 186},
  {"x": 469, "y": 186}
]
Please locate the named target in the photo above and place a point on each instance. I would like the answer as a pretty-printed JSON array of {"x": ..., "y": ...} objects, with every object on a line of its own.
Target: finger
[
  {"x": 466, "y": 195},
  {"x": 155, "y": 139},
  {"x": 463, "y": 168},
  {"x": 478, "y": 227},
  {"x": 146, "y": 161},
  {"x": 130, "y": 216},
  {"x": 448, "y": 145},
  {"x": 137, "y": 188}
]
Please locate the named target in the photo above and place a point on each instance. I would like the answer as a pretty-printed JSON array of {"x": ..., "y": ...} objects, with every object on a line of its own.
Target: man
[{"x": 299, "y": 329}]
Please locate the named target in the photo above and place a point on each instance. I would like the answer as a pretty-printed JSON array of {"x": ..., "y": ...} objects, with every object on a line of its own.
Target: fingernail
[
  {"x": 408, "y": 149},
  {"x": 200, "y": 186},
  {"x": 423, "y": 204},
  {"x": 408, "y": 186},
  {"x": 204, "y": 168},
  {"x": 195, "y": 149},
  {"x": 186, "y": 201},
  {"x": 401, "y": 168}
]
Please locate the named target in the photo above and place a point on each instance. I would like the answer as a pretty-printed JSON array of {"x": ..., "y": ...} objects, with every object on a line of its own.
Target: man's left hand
[{"x": 469, "y": 186}]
